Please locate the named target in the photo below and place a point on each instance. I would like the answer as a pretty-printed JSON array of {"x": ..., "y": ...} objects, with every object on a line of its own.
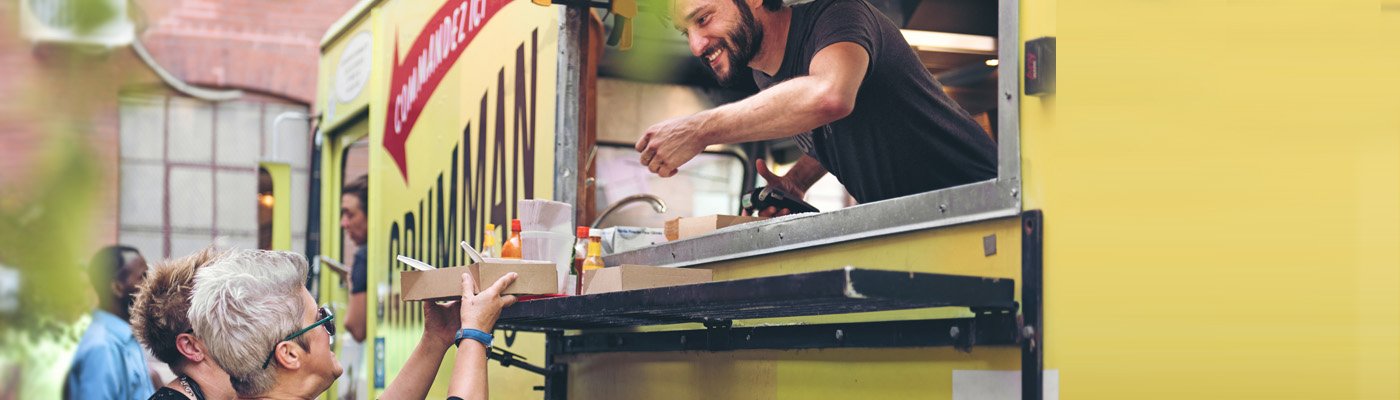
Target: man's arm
[
  {"x": 802, "y": 176},
  {"x": 355, "y": 321},
  {"x": 359, "y": 284},
  {"x": 826, "y": 94}
]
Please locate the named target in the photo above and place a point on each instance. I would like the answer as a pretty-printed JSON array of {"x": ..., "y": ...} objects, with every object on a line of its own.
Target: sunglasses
[{"x": 325, "y": 319}]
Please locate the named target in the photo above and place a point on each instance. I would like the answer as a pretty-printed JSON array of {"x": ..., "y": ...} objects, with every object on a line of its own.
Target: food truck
[{"x": 458, "y": 109}]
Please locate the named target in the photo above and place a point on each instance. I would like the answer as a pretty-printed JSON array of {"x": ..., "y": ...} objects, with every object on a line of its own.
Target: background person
[
  {"x": 160, "y": 319},
  {"x": 109, "y": 363},
  {"x": 354, "y": 201},
  {"x": 354, "y": 217}
]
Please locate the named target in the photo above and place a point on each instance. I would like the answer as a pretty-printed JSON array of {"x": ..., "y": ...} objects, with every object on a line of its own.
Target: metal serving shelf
[
  {"x": 848, "y": 290},
  {"x": 997, "y": 318}
]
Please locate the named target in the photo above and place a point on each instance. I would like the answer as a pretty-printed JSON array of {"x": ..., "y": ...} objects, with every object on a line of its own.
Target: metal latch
[{"x": 717, "y": 334}]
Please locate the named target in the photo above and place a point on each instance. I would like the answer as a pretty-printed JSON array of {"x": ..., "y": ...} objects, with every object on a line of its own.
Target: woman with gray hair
[
  {"x": 262, "y": 325},
  {"x": 265, "y": 330}
]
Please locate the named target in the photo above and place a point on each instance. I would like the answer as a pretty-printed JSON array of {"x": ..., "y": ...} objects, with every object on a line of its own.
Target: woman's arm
[
  {"x": 416, "y": 377},
  {"x": 479, "y": 312}
]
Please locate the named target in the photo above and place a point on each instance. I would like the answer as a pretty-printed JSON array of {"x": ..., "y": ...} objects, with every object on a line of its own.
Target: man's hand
[
  {"x": 671, "y": 143},
  {"x": 780, "y": 182},
  {"x": 440, "y": 322},
  {"x": 806, "y": 172},
  {"x": 826, "y": 94},
  {"x": 480, "y": 311}
]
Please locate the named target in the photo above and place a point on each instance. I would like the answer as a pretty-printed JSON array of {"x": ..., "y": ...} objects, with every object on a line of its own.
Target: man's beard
[{"x": 742, "y": 44}]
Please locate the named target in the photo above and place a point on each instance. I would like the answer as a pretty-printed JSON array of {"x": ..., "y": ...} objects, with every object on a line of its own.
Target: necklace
[
  {"x": 184, "y": 382},
  {"x": 191, "y": 388}
]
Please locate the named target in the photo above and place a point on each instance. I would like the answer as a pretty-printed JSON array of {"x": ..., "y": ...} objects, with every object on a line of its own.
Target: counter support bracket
[
  {"x": 556, "y": 378},
  {"x": 1032, "y": 307}
]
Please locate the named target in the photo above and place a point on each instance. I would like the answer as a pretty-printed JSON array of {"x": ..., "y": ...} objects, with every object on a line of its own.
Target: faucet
[{"x": 656, "y": 205}]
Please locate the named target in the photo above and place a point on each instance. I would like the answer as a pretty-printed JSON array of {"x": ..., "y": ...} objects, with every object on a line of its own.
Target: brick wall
[
  {"x": 269, "y": 48},
  {"x": 49, "y": 93},
  {"x": 259, "y": 45}
]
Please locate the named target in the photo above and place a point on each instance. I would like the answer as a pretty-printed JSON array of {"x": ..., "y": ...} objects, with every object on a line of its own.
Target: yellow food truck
[{"x": 1143, "y": 237}]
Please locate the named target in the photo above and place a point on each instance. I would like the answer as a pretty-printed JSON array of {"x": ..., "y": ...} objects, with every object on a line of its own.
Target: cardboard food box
[
  {"x": 633, "y": 277},
  {"x": 533, "y": 277},
  {"x": 688, "y": 227}
]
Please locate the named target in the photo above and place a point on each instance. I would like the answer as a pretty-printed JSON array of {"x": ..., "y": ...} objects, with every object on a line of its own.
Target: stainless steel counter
[{"x": 968, "y": 203}]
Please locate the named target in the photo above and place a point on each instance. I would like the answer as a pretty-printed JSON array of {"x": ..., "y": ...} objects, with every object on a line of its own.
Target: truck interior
[{"x": 657, "y": 78}]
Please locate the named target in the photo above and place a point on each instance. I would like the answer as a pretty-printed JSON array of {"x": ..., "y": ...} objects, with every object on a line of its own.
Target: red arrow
[{"x": 413, "y": 80}]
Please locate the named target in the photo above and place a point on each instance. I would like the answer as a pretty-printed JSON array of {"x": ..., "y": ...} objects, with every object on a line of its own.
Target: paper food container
[
  {"x": 634, "y": 277},
  {"x": 533, "y": 277},
  {"x": 688, "y": 227}
]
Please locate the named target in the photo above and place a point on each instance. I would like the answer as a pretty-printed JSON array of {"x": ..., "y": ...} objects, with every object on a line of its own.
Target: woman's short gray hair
[{"x": 244, "y": 303}]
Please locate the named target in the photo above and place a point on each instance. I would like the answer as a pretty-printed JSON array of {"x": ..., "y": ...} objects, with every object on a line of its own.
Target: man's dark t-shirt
[
  {"x": 358, "y": 273},
  {"x": 905, "y": 135}
]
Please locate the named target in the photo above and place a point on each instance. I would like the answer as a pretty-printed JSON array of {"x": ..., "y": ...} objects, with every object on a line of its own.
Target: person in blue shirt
[{"x": 109, "y": 363}]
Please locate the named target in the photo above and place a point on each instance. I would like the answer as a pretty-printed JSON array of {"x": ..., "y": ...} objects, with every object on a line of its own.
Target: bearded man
[{"x": 838, "y": 77}]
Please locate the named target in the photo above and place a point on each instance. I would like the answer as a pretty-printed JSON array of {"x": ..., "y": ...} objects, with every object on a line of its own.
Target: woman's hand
[
  {"x": 441, "y": 321},
  {"x": 480, "y": 311}
]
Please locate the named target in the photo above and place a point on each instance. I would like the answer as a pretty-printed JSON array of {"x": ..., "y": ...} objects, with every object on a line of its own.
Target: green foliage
[
  {"x": 47, "y": 211},
  {"x": 46, "y": 235},
  {"x": 88, "y": 15}
]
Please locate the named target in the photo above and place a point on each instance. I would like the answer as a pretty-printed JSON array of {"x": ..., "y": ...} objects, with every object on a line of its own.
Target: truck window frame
[{"x": 985, "y": 200}]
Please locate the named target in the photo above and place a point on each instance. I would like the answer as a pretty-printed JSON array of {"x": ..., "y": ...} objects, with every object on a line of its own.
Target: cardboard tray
[
  {"x": 688, "y": 227},
  {"x": 534, "y": 277},
  {"x": 634, "y": 277}
]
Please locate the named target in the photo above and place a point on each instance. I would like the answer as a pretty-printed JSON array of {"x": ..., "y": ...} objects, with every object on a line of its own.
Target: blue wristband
[{"x": 473, "y": 334}]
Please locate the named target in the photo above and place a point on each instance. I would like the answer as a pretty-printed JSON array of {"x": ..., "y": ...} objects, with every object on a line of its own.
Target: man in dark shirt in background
[
  {"x": 354, "y": 221},
  {"x": 836, "y": 75}
]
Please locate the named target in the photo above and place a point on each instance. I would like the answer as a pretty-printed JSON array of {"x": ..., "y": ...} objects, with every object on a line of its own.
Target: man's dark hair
[
  {"x": 108, "y": 266},
  {"x": 360, "y": 188},
  {"x": 773, "y": 5}
]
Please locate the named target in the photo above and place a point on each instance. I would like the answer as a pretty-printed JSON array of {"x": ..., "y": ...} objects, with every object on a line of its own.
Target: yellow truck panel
[
  {"x": 1219, "y": 187},
  {"x": 459, "y": 111},
  {"x": 1218, "y": 179}
]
